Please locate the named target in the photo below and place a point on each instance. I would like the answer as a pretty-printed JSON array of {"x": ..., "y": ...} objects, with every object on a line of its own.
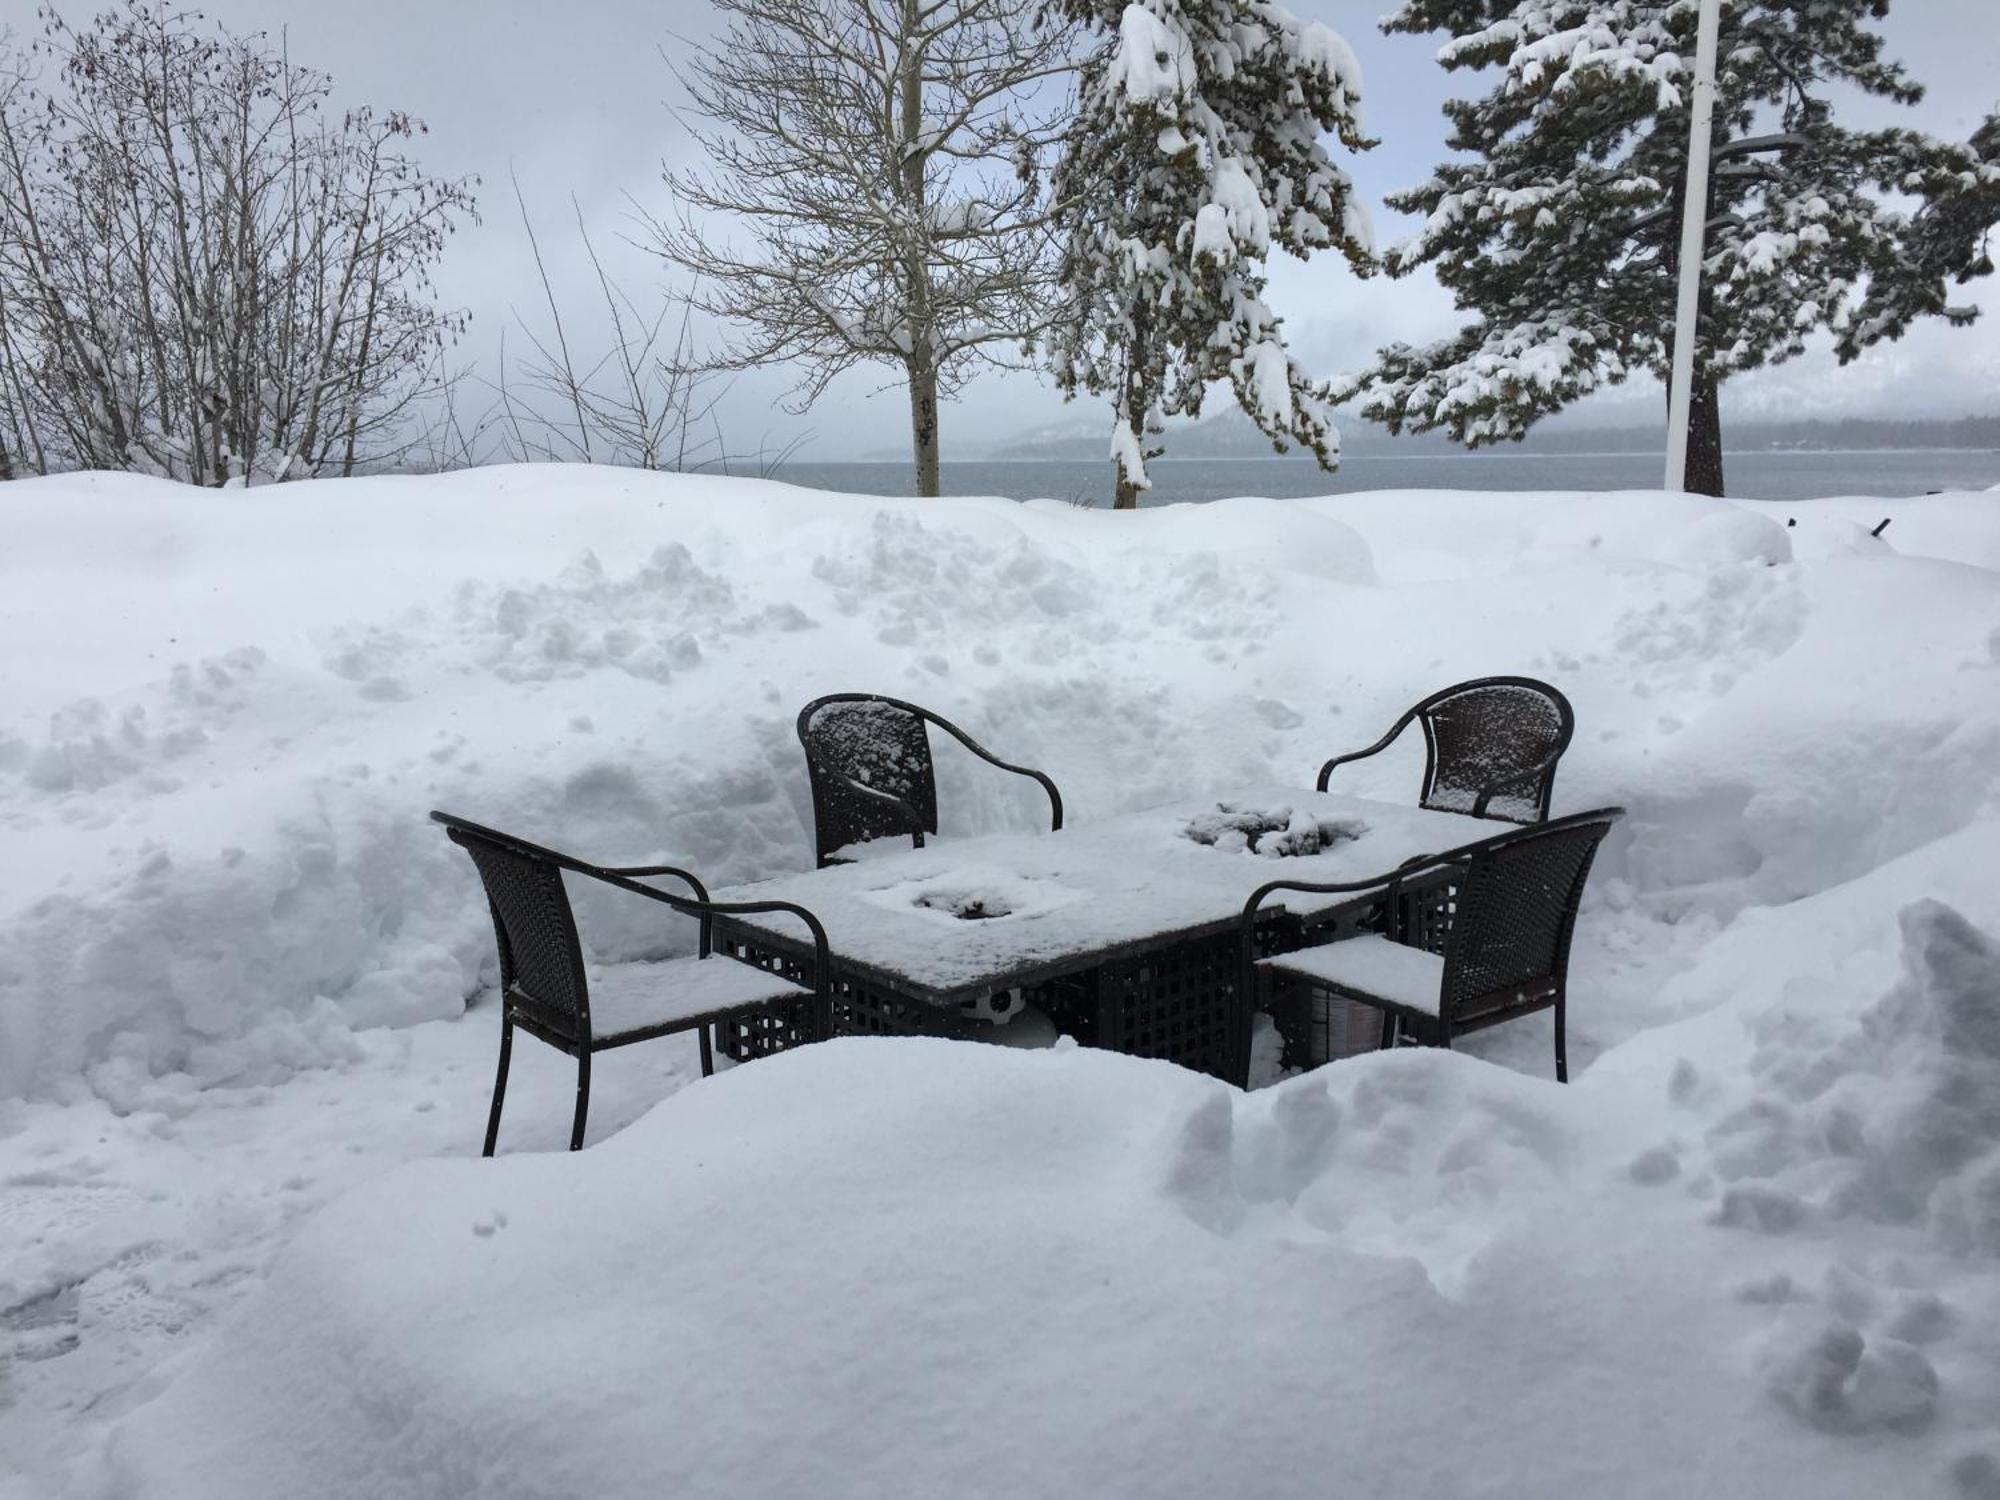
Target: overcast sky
[{"x": 575, "y": 97}]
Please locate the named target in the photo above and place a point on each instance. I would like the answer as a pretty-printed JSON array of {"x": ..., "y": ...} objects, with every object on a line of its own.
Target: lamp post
[{"x": 1694, "y": 223}]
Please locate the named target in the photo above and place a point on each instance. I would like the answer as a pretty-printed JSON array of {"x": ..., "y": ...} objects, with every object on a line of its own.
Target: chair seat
[
  {"x": 679, "y": 992},
  {"x": 1371, "y": 965}
]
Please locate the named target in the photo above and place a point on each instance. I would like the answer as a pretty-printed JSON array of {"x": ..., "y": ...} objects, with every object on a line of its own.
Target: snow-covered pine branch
[
  {"x": 1559, "y": 234},
  {"x": 1198, "y": 146},
  {"x": 883, "y": 161}
]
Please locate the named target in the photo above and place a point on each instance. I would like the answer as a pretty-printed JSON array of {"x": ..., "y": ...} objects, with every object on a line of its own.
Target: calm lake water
[{"x": 1781, "y": 475}]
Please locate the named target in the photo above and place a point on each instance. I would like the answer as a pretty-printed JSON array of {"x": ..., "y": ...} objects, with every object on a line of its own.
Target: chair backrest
[
  {"x": 1516, "y": 909},
  {"x": 1478, "y": 732},
  {"x": 878, "y": 742},
  {"x": 541, "y": 958}
]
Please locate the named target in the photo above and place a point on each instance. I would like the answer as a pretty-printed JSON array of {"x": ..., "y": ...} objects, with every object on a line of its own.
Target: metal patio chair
[
  {"x": 869, "y": 761},
  {"x": 1505, "y": 954},
  {"x": 1491, "y": 747},
  {"x": 545, "y": 993}
]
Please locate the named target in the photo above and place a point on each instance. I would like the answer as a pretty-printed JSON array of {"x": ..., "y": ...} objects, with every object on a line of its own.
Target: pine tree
[
  {"x": 1196, "y": 147},
  {"x": 1561, "y": 234}
]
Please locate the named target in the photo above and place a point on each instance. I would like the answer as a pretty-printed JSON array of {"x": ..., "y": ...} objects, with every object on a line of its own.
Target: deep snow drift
[{"x": 1756, "y": 1248}]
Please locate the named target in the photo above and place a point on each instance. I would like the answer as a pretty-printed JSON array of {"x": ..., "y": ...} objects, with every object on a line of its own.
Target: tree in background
[
  {"x": 886, "y": 160},
  {"x": 1561, "y": 234},
  {"x": 645, "y": 401},
  {"x": 1945, "y": 244},
  {"x": 205, "y": 272},
  {"x": 1197, "y": 147}
]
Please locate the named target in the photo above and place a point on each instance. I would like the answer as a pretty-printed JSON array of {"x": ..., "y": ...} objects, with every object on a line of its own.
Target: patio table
[{"x": 1126, "y": 930}]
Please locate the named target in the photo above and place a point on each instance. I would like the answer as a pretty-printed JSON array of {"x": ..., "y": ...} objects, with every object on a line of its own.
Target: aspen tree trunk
[{"x": 921, "y": 365}]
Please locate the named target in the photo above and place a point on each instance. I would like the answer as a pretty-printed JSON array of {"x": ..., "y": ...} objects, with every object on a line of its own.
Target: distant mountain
[
  {"x": 1229, "y": 434},
  {"x": 1226, "y": 434}
]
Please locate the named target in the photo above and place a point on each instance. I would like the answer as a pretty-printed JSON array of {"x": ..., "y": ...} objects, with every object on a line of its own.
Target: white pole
[{"x": 1694, "y": 217}]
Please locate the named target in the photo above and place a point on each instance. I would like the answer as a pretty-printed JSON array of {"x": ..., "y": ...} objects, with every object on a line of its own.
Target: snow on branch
[{"x": 1199, "y": 145}]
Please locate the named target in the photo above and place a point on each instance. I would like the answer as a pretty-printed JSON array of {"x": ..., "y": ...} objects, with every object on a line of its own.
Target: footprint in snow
[
  {"x": 1830, "y": 1376},
  {"x": 484, "y": 1228}
]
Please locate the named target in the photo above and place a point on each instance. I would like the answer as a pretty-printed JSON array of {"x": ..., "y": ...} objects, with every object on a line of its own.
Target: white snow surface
[
  {"x": 1110, "y": 883},
  {"x": 245, "y": 1250}
]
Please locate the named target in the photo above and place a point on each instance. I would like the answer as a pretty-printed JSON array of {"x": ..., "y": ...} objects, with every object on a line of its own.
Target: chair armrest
[
  {"x": 1049, "y": 786},
  {"x": 1326, "y": 771},
  {"x": 1327, "y": 888},
  {"x": 705, "y": 910},
  {"x": 693, "y": 881},
  {"x": 1388, "y": 880},
  {"x": 1513, "y": 778},
  {"x": 538, "y": 851},
  {"x": 822, "y": 962},
  {"x": 621, "y": 876}
]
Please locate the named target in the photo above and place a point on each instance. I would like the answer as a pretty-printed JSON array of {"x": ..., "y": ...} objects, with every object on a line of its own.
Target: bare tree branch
[
  {"x": 206, "y": 272},
  {"x": 887, "y": 159}
]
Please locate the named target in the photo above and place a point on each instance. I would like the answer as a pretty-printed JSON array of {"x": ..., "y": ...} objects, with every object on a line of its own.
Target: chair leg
[
  {"x": 582, "y": 1100},
  {"x": 1562, "y": 1052},
  {"x": 499, "y": 1086},
  {"x": 707, "y": 1050},
  {"x": 1388, "y": 1030}
]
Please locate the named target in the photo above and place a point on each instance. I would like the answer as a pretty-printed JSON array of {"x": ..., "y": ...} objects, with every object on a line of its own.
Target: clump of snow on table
[
  {"x": 1274, "y": 832},
  {"x": 1754, "y": 1249}
]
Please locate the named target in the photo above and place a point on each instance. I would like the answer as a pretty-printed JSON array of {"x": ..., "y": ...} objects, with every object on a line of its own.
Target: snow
[
  {"x": 1151, "y": 63},
  {"x": 1325, "y": 51},
  {"x": 631, "y": 997},
  {"x": 1111, "y": 882},
  {"x": 1753, "y": 1249},
  {"x": 1373, "y": 965},
  {"x": 1238, "y": 207},
  {"x": 1271, "y": 383},
  {"x": 1129, "y": 455}
]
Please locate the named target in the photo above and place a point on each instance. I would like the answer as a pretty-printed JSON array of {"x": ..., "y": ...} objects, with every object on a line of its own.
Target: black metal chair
[
  {"x": 1491, "y": 747},
  {"x": 869, "y": 761},
  {"x": 543, "y": 988},
  {"x": 1506, "y": 953}
]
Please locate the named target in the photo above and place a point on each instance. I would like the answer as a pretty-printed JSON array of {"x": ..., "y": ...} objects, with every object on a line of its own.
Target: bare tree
[
  {"x": 205, "y": 272},
  {"x": 638, "y": 395},
  {"x": 887, "y": 159},
  {"x": 645, "y": 401}
]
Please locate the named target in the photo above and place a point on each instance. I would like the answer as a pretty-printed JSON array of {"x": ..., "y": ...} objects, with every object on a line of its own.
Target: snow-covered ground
[{"x": 1753, "y": 1249}]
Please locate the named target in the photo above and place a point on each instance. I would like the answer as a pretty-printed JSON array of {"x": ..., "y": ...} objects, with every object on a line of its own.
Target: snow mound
[
  {"x": 1754, "y": 1250},
  {"x": 1898, "y": 1120},
  {"x": 871, "y": 1265},
  {"x": 219, "y": 866},
  {"x": 1734, "y": 536}
]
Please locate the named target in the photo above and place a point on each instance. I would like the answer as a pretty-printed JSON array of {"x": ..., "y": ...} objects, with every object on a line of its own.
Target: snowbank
[
  {"x": 1755, "y": 1249},
  {"x": 227, "y": 713},
  {"x": 927, "y": 1268}
]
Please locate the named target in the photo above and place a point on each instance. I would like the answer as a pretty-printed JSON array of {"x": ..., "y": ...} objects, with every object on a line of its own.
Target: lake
[{"x": 1785, "y": 474}]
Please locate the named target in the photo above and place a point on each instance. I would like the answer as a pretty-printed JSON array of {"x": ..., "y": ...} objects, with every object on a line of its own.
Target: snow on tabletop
[
  {"x": 977, "y": 913},
  {"x": 1748, "y": 1252}
]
